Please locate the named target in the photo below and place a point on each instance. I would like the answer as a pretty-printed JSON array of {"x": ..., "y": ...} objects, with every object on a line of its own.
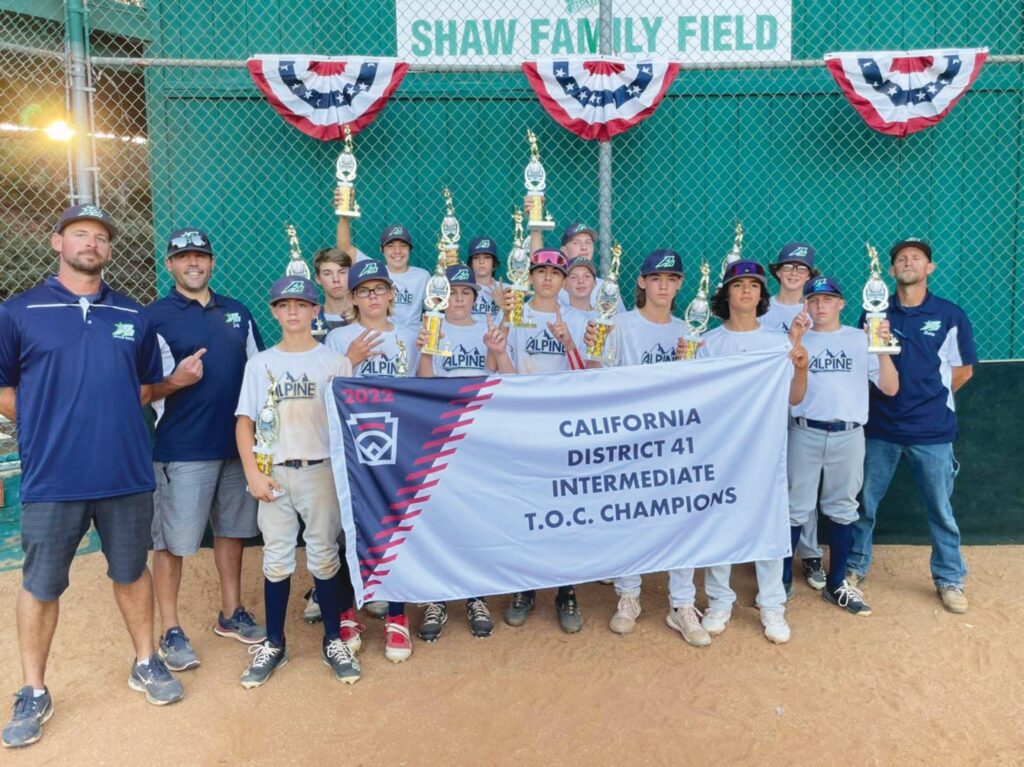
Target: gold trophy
[
  {"x": 450, "y": 231},
  {"x": 697, "y": 314},
  {"x": 435, "y": 302},
  {"x": 734, "y": 255},
  {"x": 297, "y": 267},
  {"x": 535, "y": 178},
  {"x": 345, "y": 174},
  {"x": 402, "y": 363},
  {"x": 606, "y": 303},
  {"x": 876, "y": 301},
  {"x": 518, "y": 268},
  {"x": 268, "y": 429}
]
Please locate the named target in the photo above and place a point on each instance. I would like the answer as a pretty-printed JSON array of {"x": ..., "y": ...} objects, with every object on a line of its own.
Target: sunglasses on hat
[{"x": 189, "y": 238}]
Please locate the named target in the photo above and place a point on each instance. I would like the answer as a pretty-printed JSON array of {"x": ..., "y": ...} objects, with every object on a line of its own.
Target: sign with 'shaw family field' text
[{"x": 501, "y": 32}]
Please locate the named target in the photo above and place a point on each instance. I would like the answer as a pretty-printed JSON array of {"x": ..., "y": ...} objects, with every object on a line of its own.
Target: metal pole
[
  {"x": 604, "y": 155},
  {"x": 84, "y": 188}
]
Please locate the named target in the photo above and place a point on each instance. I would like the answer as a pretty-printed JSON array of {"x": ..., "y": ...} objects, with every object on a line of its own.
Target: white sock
[
  {"x": 38, "y": 693},
  {"x": 143, "y": 663}
]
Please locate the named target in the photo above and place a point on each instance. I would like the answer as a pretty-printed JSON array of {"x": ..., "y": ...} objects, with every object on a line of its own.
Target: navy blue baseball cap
[
  {"x": 461, "y": 275},
  {"x": 88, "y": 212},
  {"x": 663, "y": 260},
  {"x": 744, "y": 268},
  {"x": 188, "y": 240},
  {"x": 581, "y": 261},
  {"x": 578, "y": 228},
  {"x": 910, "y": 242},
  {"x": 395, "y": 232},
  {"x": 795, "y": 253},
  {"x": 822, "y": 285},
  {"x": 294, "y": 287},
  {"x": 483, "y": 244},
  {"x": 366, "y": 270}
]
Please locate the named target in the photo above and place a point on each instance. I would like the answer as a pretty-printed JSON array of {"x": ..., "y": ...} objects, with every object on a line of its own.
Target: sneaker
[
  {"x": 624, "y": 620},
  {"x": 568, "y": 611},
  {"x": 715, "y": 621},
  {"x": 433, "y": 621},
  {"x": 241, "y": 625},
  {"x": 686, "y": 620},
  {"x": 352, "y": 630},
  {"x": 30, "y": 714},
  {"x": 775, "y": 627},
  {"x": 479, "y": 617},
  {"x": 847, "y": 597},
  {"x": 311, "y": 612},
  {"x": 953, "y": 599},
  {"x": 156, "y": 681},
  {"x": 343, "y": 663},
  {"x": 267, "y": 657},
  {"x": 376, "y": 609},
  {"x": 789, "y": 590},
  {"x": 814, "y": 573},
  {"x": 519, "y": 608},
  {"x": 398, "y": 642},
  {"x": 176, "y": 651}
]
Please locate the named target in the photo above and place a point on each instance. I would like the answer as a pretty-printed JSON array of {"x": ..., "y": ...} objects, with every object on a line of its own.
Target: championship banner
[
  {"x": 458, "y": 487},
  {"x": 599, "y": 98},
  {"x": 903, "y": 92},
  {"x": 320, "y": 95}
]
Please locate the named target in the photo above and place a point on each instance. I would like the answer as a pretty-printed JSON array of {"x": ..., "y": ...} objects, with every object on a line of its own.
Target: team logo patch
[
  {"x": 370, "y": 268},
  {"x": 800, "y": 252},
  {"x": 544, "y": 343},
  {"x": 295, "y": 287},
  {"x": 464, "y": 359},
  {"x": 234, "y": 319},
  {"x": 484, "y": 244},
  {"x": 461, "y": 275},
  {"x": 375, "y": 436},
  {"x": 396, "y": 231},
  {"x": 658, "y": 354},
  {"x": 827, "y": 362},
  {"x": 290, "y": 387},
  {"x": 124, "y": 330},
  {"x": 666, "y": 262},
  {"x": 931, "y": 327}
]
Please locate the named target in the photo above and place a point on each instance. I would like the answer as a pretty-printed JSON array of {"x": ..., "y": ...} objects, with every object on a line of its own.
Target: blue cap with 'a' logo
[
  {"x": 395, "y": 232},
  {"x": 744, "y": 268},
  {"x": 483, "y": 245},
  {"x": 461, "y": 275},
  {"x": 795, "y": 253},
  {"x": 663, "y": 260},
  {"x": 822, "y": 285},
  {"x": 366, "y": 270},
  {"x": 294, "y": 287}
]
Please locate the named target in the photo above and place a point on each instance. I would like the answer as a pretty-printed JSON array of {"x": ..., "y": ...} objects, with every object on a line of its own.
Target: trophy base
[
  {"x": 348, "y": 213},
  {"x": 437, "y": 352},
  {"x": 540, "y": 226},
  {"x": 887, "y": 350}
]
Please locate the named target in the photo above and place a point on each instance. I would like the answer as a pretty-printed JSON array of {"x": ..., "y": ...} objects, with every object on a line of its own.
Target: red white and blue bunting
[
  {"x": 597, "y": 98},
  {"x": 902, "y": 92},
  {"x": 320, "y": 95}
]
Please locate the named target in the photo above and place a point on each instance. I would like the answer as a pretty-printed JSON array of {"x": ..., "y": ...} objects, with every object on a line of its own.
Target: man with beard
[
  {"x": 919, "y": 422},
  {"x": 199, "y": 477},
  {"x": 76, "y": 359}
]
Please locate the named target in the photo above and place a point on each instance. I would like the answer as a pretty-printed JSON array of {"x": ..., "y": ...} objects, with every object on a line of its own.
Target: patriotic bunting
[
  {"x": 597, "y": 98},
  {"x": 319, "y": 95},
  {"x": 902, "y": 92}
]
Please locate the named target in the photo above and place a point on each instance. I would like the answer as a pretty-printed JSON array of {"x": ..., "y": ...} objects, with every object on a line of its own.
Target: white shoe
[
  {"x": 715, "y": 621},
  {"x": 624, "y": 620},
  {"x": 686, "y": 620},
  {"x": 775, "y": 627}
]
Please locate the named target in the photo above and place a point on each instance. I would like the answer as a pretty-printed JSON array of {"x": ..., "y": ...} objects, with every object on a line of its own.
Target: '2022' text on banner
[
  {"x": 499, "y": 32},
  {"x": 458, "y": 487}
]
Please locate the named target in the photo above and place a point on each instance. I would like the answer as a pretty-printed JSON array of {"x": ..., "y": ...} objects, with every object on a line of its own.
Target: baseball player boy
[
  {"x": 483, "y": 260},
  {"x": 646, "y": 336},
  {"x": 826, "y": 438},
  {"x": 330, "y": 269},
  {"x": 377, "y": 345},
  {"x": 738, "y": 302},
  {"x": 470, "y": 342},
  {"x": 301, "y": 484},
  {"x": 580, "y": 284},
  {"x": 578, "y": 241}
]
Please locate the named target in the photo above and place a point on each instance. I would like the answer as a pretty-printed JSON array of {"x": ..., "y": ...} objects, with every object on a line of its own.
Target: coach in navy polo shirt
[
  {"x": 205, "y": 339},
  {"x": 76, "y": 358},
  {"x": 919, "y": 422}
]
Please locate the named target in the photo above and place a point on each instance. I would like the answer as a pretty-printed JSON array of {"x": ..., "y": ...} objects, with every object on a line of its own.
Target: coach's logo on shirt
[
  {"x": 931, "y": 327},
  {"x": 375, "y": 436},
  {"x": 289, "y": 387},
  {"x": 464, "y": 359},
  {"x": 124, "y": 331},
  {"x": 827, "y": 362},
  {"x": 658, "y": 354},
  {"x": 544, "y": 343},
  {"x": 234, "y": 319}
]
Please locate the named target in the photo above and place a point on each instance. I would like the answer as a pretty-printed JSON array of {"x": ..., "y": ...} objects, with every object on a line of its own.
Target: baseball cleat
[
  {"x": 338, "y": 656},
  {"x": 624, "y": 620},
  {"x": 519, "y": 608},
  {"x": 715, "y": 621},
  {"x": 776, "y": 630},
  {"x": 479, "y": 616},
  {"x": 814, "y": 573},
  {"x": 267, "y": 658},
  {"x": 847, "y": 597},
  {"x": 686, "y": 620},
  {"x": 434, "y": 618},
  {"x": 352, "y": 630},
  {"x": 398, "y": 642},
  {"x": 568, "y": 610}
]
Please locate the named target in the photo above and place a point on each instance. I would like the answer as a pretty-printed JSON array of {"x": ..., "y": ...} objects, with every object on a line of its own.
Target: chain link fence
[{"x": 753, "y": 129}]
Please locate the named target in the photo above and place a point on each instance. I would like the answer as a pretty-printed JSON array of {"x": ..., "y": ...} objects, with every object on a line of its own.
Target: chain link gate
[{"x": 177, "y": 134}]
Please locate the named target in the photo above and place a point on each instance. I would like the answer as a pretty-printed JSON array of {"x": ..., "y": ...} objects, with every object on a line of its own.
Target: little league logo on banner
[{"x": 459, "y": 487}]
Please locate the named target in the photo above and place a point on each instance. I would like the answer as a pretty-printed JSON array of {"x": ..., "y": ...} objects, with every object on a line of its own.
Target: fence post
[
  {"x": 84, "y": 181},
  {"x": 604, "y": 155}
]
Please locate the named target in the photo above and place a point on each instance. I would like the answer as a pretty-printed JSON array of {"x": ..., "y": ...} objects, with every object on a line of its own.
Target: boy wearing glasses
[{"x": 792, "y": 270}]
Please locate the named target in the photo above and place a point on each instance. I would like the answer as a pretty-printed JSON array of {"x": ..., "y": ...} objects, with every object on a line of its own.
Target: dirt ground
[{"x": 911, "y": 684}]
